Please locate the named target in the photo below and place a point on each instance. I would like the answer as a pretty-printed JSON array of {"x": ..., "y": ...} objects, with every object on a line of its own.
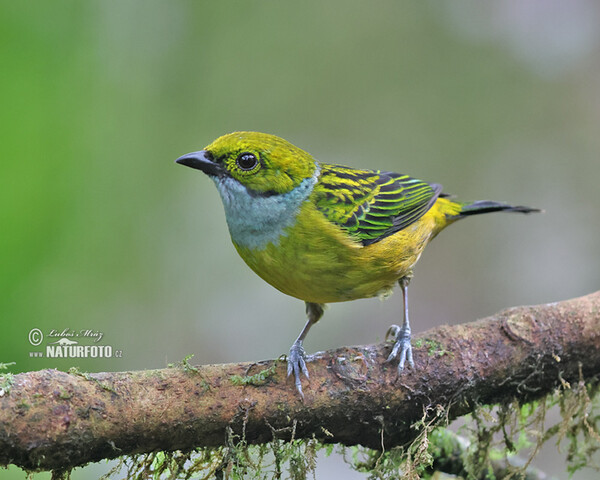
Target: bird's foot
[
  {"x": 402, "y": 347},
  {"x": 297, "y": 364}
]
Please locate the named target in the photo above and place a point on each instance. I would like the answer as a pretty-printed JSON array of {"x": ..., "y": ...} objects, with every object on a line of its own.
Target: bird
[{"x": 326, "y": 233}]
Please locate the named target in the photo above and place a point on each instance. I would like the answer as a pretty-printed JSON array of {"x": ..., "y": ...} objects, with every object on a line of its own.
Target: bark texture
[{"x": 53, "y": 420}]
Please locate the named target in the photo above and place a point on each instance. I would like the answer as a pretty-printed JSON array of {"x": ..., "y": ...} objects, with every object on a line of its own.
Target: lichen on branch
[{"x": 56, "y": 420}]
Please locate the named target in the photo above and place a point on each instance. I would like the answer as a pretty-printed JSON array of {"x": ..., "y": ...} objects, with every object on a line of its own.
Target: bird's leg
[
  {"x": 297, "y": 357},
  {"x": 402, "y": 348}
]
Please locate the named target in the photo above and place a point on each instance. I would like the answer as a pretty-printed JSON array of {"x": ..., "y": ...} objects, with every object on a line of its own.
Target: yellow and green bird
[{"x": 326, "y": 233}]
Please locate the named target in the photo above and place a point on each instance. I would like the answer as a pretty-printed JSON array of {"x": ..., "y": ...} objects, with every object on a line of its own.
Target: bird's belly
[{"x": 319, "y": 263}]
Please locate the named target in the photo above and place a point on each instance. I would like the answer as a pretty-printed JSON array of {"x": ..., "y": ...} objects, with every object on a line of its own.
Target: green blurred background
[{"x": 100, "y": 230}]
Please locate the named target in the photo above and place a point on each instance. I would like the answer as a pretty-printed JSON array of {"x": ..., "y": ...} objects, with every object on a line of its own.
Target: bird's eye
[{"x": 247, "y": 161}]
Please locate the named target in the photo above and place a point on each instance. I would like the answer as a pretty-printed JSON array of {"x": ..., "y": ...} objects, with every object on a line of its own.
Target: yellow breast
[{"x": 317, "y": 261}]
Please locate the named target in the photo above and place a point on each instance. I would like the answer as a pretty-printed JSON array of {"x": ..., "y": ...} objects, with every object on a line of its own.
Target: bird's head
[{"x": 263, "y": 163}]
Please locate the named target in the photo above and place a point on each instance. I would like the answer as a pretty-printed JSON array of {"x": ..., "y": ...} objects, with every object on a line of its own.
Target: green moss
[
  {"x": 491, "y": 435},
  {"x": 87, "y": 376},
  {"x": 236, "y": 461},
  {"x": 154, "y": 374},
  {"x": 205, "y": 385},
  {"x": 499, "y": 433},
  {"x": 6, "y": 382},
  {"x": 77, "y": 371},
  {"x": 23, "y": 405},
  {"x": 434, "y": 348},
  {"x": 6, "y": 379},
  {"x": 64, "y": 395},
  {"x": 185, "y": 365},
  {"x": 259, "y": 378}
]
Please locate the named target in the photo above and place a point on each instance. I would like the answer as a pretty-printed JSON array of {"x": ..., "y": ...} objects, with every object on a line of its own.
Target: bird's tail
[
  {"x": 487, "y": 206},
  {"x": 451, "y": 211}
]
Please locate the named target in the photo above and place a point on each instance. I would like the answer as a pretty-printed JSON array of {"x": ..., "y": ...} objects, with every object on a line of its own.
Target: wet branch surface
[{"x": 52, "y": 420}]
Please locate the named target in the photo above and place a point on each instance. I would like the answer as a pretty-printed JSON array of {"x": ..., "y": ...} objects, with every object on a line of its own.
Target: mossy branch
[{"x": 56, "y": 420}]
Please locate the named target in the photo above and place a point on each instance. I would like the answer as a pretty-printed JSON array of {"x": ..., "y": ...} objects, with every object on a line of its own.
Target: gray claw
[
  {"x": 297, "y": 365},
  {"x": 402, "y": 348}
]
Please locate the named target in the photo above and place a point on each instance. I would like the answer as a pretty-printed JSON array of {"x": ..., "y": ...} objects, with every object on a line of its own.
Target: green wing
[{"x": 369, "y": 204}]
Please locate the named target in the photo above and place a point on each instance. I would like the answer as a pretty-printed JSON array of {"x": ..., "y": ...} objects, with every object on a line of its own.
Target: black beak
[{"x": 201, "y": 160}]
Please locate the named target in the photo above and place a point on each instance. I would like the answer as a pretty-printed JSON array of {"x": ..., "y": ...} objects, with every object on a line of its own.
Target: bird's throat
[{"x": 254, "y": 221}]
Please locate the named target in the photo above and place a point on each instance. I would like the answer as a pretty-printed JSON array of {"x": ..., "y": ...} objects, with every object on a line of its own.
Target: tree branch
[{"x": 51, "y": 419}]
